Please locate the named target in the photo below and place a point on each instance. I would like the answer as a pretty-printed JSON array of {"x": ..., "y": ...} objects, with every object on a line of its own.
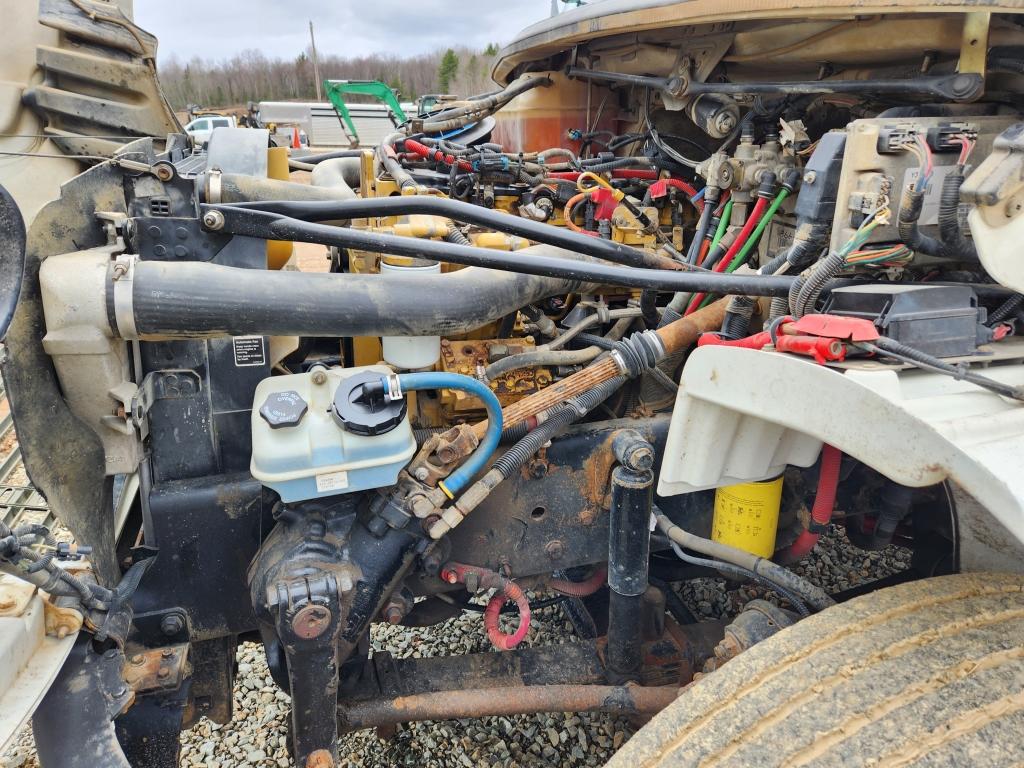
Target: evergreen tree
[{"x": 448, "y": 70}]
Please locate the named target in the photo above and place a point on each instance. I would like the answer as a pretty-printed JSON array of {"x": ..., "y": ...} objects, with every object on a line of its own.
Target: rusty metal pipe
[{"x": 630, "y": 699}]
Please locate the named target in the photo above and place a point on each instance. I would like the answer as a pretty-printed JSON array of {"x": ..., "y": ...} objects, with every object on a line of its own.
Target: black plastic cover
[
  {"x": 941, "y": 320},
  {"x": 817, "y": 198},
  {"x": 361, "y": 407}
]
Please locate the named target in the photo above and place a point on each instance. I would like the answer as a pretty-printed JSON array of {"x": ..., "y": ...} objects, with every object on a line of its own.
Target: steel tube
[
  {"x": 629, "y": 549},
  {"x": 628, "y": 699}
]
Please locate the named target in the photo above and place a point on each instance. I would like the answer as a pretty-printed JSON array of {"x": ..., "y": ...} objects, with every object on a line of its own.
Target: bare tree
[{"x": 251, "y": 76}]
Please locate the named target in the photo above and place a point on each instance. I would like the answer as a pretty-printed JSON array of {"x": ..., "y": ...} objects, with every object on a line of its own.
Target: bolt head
[
  {"x": 421, "y": 473},
  {"x": 172, "y": 624},
  {"x": 319, "y": 376},
  {"x": 554, "y": 549},
  {"x": 311, "y": 621},
  {"x": 810, "y": 177},
  {"x": 213, "y": 220}
]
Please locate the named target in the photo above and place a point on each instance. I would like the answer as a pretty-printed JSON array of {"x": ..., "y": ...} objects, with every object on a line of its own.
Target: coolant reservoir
[
  {"x": 411, "y": 352},
  {"x": 313, "y": 435}
]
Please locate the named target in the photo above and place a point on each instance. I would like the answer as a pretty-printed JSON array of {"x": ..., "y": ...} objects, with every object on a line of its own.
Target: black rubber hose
[
  {"x": 571, "y": 411},
  {"x": 743, "y": 573},
  {"x": 253, "y": 223},
  {"x": 811, "y": 289},
  {"x": 949, "y": 218},
  {"x": 736, "y": 323},
  {"x": 892, "y": 348},
  {"x": 1006, "y": 309},
  {"x": 194, "y": 299},
  {"x": 593, "y": 340},
  {"x": 702, "y": 227},
  {"x": 619, "y": 162},
  {"x": 466, "y": 213},
  {"x": 912, "y": 237},
  {"x": 314, "y": 159},
  {"x": 450, "y": 119}
]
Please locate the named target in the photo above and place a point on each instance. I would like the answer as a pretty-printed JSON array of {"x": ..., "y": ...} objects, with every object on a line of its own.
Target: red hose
[
  {"x": 501, "y": 640},
  {"x": 580, "y": 588},
  {"x": 757, "y": 341},
  {"x": 755, "y": 216},
  {"x": 824, "y": 503},
  {"x": 435, "y": 154}
]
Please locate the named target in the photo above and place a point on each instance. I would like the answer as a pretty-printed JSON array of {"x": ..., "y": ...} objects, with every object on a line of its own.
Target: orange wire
[{"x": 567, "y": 213}]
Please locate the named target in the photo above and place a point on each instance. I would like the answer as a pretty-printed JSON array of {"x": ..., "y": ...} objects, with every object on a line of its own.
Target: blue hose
[{"x": 460, "y": 478}]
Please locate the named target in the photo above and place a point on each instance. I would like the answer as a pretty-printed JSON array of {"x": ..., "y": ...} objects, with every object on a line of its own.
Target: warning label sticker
[
  {"x": 249, "y": 350},
  {"x": 332, "y": 481}
]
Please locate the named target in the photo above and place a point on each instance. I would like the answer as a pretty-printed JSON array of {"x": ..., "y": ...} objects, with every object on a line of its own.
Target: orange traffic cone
[{"x": 296, "y": 144}]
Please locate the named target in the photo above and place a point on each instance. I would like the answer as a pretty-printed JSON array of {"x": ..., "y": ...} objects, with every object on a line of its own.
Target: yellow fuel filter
[{"x": 747, "y": 516}]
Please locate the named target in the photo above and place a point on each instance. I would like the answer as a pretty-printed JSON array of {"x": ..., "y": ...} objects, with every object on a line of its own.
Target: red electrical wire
[
  {"x": 502, "y": 640},
  {"x": 755, "y": 216},
  {"x": 824, "y": 503},
  {"x": 580, "y": 588}
]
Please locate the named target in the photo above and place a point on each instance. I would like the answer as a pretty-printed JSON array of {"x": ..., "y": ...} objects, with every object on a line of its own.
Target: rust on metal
[
  {"x": 629, "y": 699},
  {"x": 320, "y": 759},
  {"x": 311, "y": 621},
  {"x": 156, "y": 668}
]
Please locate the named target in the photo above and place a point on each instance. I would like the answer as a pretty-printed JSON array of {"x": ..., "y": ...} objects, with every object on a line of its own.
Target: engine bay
[{"x": 495, "y": 383}]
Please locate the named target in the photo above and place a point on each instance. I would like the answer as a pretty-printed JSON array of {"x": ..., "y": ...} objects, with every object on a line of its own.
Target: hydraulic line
[
  {"x": 467, "y": 213},
  {"x": 516, "y": 457},
  {"x": 755, "y": 217},
  {"x": 253, "y": 223},
  {"x": 710, "y": 199},
  {"x": 458, "y": 480},
  {"x": 742, "y": 573},
  {"x": 744, "y": 253},
  {"x": 552, "y": 354},
  {"x": 451, "y": 119},
  {"x": 813, "y": 595}
]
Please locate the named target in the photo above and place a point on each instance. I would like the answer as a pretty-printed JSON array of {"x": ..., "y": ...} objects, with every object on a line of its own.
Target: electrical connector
[{"x": 945, "y": 137}]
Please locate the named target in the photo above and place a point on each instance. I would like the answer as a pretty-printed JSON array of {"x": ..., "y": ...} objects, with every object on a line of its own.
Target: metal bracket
[
  {"x": 170, "y": 384},
  {"x": 157, "y": 669},
  {"x": 974, "y": 47}
]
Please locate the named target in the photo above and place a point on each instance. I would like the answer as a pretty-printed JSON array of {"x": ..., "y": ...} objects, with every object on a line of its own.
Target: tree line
[{"x": 252, "y": 76}]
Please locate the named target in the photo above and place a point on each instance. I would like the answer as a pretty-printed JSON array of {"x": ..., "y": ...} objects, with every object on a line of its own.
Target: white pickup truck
[{"x": 202, "y": 127}]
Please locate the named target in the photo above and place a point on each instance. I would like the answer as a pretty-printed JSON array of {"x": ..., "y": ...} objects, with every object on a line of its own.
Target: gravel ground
[{"x": 257, "y": 736}]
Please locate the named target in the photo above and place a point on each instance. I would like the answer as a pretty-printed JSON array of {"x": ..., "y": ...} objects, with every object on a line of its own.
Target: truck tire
[{"x": 927, "y": 673}]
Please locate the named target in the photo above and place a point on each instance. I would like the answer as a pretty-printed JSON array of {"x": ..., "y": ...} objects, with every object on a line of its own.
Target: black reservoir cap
[
  {"x": 283, "y": 409},
  {"x": 361, "y": 407}
]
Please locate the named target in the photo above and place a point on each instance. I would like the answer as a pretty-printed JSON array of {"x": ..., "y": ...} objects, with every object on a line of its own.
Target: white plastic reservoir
[
  {"x": 302, "y": 452},
  {"x": 411, "y": 352}
]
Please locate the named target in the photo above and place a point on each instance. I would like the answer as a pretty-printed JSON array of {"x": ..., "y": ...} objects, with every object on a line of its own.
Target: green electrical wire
[
  {"x": 741, "y": 257},
  {"x": 723, "y": 224}
]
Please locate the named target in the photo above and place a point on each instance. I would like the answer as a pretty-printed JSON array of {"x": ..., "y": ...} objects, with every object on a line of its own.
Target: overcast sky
[{"x": 217, "y": 29}]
